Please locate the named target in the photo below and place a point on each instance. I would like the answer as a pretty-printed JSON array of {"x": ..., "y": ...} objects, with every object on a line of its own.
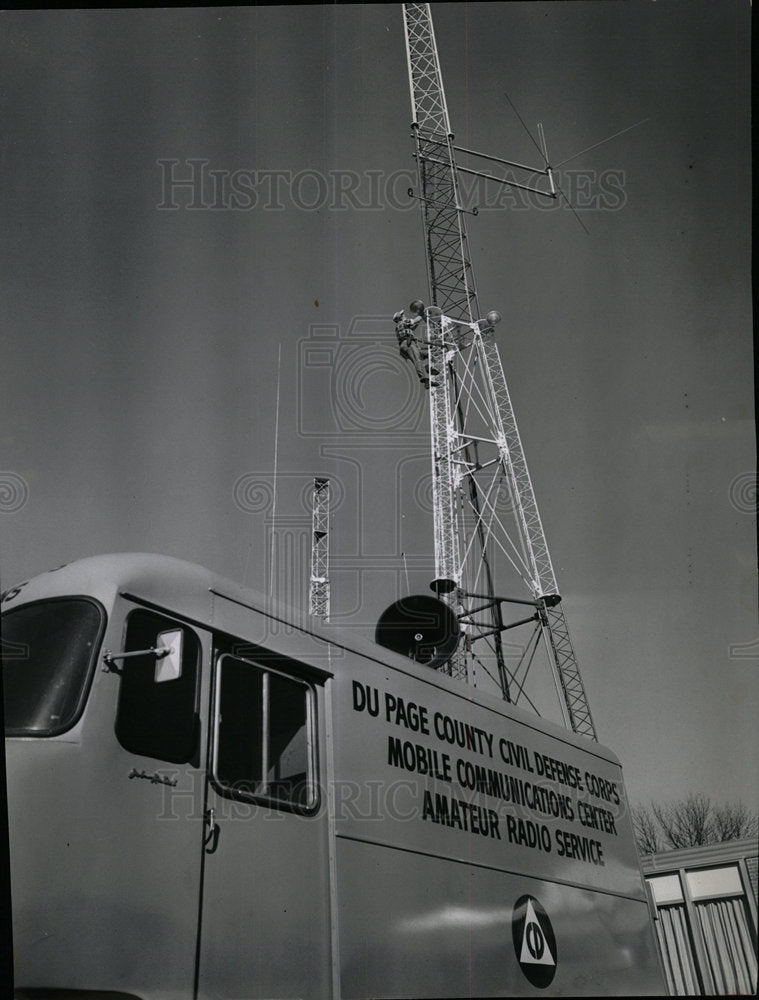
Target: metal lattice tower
[
  {"x": 318, "y": 598},
  {"x": 486, "y": 519}
]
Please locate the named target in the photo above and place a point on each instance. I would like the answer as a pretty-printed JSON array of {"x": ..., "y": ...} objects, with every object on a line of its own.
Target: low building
[{"x": 705, "y": 903}]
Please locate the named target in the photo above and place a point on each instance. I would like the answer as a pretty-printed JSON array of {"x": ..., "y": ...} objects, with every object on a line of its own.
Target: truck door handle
[{"x": 211, "y": 840}]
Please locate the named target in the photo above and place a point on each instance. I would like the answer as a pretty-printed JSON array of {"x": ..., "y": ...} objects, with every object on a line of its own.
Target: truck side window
[
  {"x": 264, "y": 745},
  {"x": 157, "y": 717}
]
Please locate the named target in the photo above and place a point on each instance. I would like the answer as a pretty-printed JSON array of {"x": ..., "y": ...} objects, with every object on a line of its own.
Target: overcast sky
[{"x": 157, "y": 335}]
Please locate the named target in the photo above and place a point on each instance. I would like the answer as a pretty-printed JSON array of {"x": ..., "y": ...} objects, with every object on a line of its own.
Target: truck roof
[{"x": 209, "y": 599}]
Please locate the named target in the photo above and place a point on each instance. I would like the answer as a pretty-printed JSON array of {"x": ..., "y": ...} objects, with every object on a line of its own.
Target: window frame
[
  {"x": 700, "y": 896},
  {"x": 177, "y": 622},
  {"x": 312, "y": 756},
  {"x": 89, "y": 672}
]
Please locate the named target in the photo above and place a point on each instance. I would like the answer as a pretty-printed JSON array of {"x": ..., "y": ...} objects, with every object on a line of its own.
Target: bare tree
[
  {"x": 690, "y": 822},
  {"x": 647, "y": 837},
  {"x": 687, "y": 823},
  {"x": 734, "y": 822}
]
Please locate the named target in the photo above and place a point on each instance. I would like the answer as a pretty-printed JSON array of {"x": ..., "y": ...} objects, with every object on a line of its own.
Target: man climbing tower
[{"x": 408, "y": 344}]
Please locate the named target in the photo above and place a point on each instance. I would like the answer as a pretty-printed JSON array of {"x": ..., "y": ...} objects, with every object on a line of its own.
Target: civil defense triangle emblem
[{"x": 534, "y": 941}]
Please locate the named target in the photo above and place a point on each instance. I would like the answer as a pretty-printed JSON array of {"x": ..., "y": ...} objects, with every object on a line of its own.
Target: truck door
[
  {"x": 154, "y": 803},
  {"x": 265, "y": 929},
  {"x": 108, "y": 814}
]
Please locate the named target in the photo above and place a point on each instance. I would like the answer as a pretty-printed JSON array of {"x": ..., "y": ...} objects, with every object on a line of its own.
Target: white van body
[{"x": 270, "y": 808}]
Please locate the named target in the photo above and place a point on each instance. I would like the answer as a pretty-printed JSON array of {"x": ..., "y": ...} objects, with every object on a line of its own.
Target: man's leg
[
  {"x": 413, "y": 351},
  {"x": 424, "y": 353}
]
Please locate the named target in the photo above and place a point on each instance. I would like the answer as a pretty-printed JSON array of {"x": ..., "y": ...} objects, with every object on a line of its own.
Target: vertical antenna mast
[
  {"x": 485, "y": 513},
  {"x": 318, "y": 597}
]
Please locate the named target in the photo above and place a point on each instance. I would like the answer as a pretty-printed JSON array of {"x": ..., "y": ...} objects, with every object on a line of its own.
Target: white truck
[{"x": 208, "y": 798}]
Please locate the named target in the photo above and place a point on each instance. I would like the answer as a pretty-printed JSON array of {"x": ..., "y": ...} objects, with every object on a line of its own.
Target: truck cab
[{"x": 211, "y": 796}]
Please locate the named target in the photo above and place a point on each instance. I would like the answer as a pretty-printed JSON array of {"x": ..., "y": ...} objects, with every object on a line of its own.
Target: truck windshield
[{"x": 49, "y": 650}]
